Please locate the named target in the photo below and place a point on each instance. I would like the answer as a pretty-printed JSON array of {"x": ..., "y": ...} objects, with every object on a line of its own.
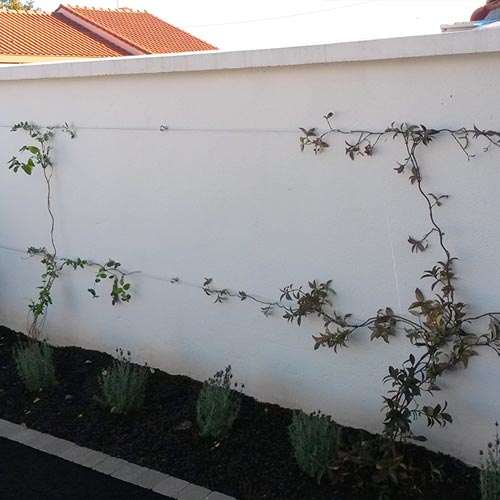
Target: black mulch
[
  {"x": 28, "y": 474},
  {"x": 255, "y": 462}
]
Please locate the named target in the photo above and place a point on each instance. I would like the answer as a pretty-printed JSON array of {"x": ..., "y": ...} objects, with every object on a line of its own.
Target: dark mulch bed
[
  {"x": 28, "y": 474},
  {"x": 254, "y": 462}
]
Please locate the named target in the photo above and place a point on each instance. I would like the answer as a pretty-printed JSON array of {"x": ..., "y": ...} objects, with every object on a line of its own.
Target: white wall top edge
[{"x": 443, "y": 44}]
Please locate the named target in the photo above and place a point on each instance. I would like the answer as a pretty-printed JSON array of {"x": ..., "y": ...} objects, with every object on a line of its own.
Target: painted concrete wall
[{"x": 226, "y": 193}]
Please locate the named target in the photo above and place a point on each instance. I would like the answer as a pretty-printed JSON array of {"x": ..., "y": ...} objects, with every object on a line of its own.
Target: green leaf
[
  {"x": 27, "y": 168},
  {"x": 33, "y": 149}
]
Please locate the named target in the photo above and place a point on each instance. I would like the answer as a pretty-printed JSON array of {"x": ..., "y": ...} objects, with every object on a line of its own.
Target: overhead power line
[{"x": 277, "y": 18}]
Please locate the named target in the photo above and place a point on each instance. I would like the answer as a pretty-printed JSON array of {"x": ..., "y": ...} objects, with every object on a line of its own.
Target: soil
[
  {"x": 53, "y": 478},
  {"x": 254, "y": 462}
]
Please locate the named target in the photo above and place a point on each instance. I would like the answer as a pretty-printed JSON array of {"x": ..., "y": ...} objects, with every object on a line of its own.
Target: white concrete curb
[{"x": 114, "y": 467}]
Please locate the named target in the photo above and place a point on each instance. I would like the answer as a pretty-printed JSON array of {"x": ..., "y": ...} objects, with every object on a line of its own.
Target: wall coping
[{"x": 442, "y": 44}]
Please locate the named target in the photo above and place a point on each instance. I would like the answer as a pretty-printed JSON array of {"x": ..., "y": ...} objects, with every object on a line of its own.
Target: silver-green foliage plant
[
  {"x": 123, "y": 385},
  {"x": 35, "y": 365},
  {"x": 218, "y": 405},
  {"x": 314, "y": 438},
  {"x": 490, "y": 470}
]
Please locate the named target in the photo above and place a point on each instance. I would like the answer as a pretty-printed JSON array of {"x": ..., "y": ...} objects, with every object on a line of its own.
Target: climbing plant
[
  {"x": 439, "y": 326},
  {"x": 38, "y": 155}
]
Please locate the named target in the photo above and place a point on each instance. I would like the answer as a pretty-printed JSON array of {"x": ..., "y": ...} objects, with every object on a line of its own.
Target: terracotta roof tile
[
  {"x": 41, "y": 34},
  {"x": 139, "y": 29}
]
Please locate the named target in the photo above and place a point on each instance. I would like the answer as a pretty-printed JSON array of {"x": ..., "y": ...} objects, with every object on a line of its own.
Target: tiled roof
[
  {"x": 139, "y": 29},
  {"x": 34, "y": 33}
]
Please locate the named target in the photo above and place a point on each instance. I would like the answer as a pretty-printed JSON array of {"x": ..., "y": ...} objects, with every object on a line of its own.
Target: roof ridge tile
[{"x": 105, "y": 9}]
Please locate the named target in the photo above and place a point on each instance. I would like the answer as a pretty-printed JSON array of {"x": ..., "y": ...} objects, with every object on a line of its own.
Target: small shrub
[
  {"x": 313, "y": 437},
  {"x": 218, "y": 405},
  {"x": 490, "y": 471},
  {"x": 123, "y": 386},
  {"x": 35, "y": 365}
]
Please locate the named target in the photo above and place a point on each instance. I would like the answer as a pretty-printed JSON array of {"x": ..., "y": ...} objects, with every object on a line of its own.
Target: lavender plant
[
  {"x": 218, "y": 405},
  {"x": 35, "y": 365},
  {"x": 123, "y": 385},
  {"x": 314, "y": 438},
  {"x": 490, "y": 470}
]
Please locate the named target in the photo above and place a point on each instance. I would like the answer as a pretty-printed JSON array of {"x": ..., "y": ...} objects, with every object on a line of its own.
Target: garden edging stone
[{"x": 114, "y": 467}]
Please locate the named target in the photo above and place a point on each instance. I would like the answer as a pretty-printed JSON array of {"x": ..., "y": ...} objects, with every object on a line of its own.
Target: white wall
[{"x": 226, "y": 193}]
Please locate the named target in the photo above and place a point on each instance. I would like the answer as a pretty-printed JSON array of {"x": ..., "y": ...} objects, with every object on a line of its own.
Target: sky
[{"x": 258, "y": 24}]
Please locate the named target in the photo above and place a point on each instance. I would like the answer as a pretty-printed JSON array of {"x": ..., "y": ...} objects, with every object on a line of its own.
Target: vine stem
[
  {"x": 48, "y": 178},
  {"x": 430, "y": 208},
  {"x": 40, "y": 157},
  {"x": 491, "y": 315}
]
